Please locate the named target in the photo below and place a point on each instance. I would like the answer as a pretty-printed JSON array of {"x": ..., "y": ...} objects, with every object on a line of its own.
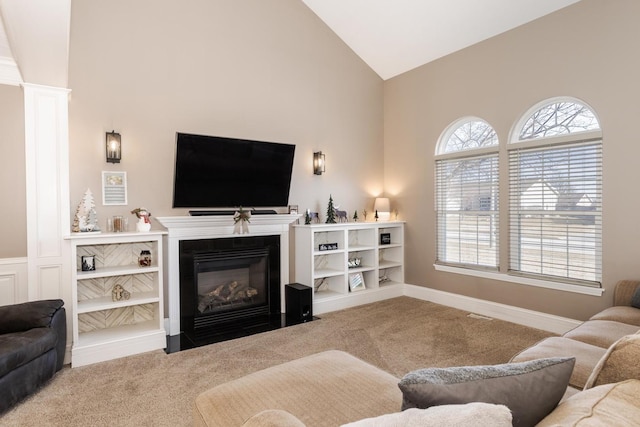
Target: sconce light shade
[
  {"x": 318, "y": 163},
  {"x": 383, "y": 208},
  {"x": 114, "y": 147}
]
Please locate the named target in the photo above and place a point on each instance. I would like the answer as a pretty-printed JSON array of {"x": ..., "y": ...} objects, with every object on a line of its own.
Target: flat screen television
[{"x": 218, "y": 172}]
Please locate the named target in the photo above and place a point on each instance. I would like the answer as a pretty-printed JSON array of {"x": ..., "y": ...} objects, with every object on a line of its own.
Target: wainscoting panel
[{"x": 13, "y": 281}]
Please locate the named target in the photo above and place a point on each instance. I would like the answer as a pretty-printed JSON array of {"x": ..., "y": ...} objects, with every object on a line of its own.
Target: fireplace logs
[{"x": 227, "y": 293}]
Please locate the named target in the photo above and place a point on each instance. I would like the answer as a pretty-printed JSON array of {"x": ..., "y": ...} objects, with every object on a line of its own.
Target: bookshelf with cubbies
[{"x": 350, "y": 264}]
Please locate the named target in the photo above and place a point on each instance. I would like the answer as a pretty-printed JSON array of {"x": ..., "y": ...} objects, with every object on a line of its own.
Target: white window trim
[{"x": 503, "y": 277}]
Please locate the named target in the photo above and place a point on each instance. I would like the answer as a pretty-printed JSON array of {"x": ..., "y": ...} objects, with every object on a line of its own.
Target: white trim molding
[
  {"x": 13, "y": 281},
  {"x": 502, "y": 277},
  {"x": 9, "y": 72},
  {"x": 521, "y": 316},
  {"x": 47, "y": 178}
]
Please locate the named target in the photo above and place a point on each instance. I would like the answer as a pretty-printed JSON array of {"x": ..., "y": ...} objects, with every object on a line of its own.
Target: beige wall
[
  {"x": 13, "y": 226},
  {"x": 588, "y": 51},
  {"x": 266, "y": 70}
]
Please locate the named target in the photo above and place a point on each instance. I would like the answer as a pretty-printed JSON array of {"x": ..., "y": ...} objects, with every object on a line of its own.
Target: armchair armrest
[
  {"x": 28, "y": 315},
  {"x": 624, "y": 292}
]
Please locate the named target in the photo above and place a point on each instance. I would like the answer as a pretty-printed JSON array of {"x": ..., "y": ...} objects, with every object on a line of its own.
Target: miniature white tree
[{"x": 86, "y": 218}]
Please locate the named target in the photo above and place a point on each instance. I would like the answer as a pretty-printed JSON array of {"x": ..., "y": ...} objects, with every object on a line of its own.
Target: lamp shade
[{"x": 383, "y": 207}]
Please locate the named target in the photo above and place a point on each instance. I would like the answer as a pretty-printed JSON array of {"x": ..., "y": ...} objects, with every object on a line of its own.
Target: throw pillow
[
  {"x": 635, "y": 299},
  {"x": 470, "y": 415},
  {"x": 619, "y": 363},
  {"x": 530, "y": 389}
]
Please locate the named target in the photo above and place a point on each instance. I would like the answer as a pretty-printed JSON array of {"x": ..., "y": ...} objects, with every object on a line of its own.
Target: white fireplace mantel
[{"x": 213, "y": 227}]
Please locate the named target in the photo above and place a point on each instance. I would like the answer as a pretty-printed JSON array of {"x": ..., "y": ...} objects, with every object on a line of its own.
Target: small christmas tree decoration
[
  {"x": 331, "y": 212},
  {"x": 355, "y": 216},
  {"x": 86, "y": 218},
  {"x": 376, "y": 215},
  {"x": 307, "y": 217}
]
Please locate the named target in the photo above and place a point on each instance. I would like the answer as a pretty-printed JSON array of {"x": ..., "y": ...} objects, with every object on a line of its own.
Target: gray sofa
[{"x": 33, "y": 337}]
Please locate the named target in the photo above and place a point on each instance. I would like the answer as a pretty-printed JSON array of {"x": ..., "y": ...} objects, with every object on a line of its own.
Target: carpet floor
[{"x": 158, "y": 389}]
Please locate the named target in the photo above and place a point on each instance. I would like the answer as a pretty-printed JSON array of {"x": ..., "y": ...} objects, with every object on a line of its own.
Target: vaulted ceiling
[
  {"x": 391, "y": 36},
  {"x": 395, "y": 36}
]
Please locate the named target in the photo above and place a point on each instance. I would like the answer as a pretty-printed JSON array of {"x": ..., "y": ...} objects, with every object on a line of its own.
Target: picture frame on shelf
[
  {"x": 328, "y": 246},
  {"x": 293, "y": 209},
  {"x": 356, "y": 282},
  {"x": 88, "y": 263},
  {"x": 385, "y": 238}
]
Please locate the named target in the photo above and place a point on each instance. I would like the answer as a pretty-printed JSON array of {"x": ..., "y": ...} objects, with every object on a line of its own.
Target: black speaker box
[{"x": 298, "y": 302}]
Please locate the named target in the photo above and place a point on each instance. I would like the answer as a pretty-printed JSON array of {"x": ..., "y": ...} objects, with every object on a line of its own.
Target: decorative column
[{"x": 46, "y": 112}]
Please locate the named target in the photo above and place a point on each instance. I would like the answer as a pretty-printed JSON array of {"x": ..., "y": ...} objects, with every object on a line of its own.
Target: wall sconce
[
  {"x": 383, "y": 208},
  {"x": 114, "y": 147},
  {"x": 318, "y": 163}
]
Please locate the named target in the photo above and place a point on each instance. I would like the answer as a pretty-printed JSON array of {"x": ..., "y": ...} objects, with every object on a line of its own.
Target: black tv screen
[{"x": 217, "y": 172}]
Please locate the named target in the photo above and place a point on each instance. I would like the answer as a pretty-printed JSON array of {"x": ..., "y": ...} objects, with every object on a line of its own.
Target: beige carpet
[{"x": 156, "y": 389}]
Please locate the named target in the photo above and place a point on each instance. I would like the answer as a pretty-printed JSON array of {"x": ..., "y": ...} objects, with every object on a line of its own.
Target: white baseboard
[{"x": 521, "y": 316}]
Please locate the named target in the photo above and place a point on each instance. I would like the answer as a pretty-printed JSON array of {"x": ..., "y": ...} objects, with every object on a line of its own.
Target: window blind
[
  {"x": 555, "y": 212},
  {"x": 467, "y": 211}
]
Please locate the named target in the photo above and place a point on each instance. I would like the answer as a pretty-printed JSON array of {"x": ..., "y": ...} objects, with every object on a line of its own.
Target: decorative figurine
[
  {"x": 86, "y": 218},
  {"x": 144, "y": 223},
  {"x": 355, "y": 216},
  {"x": 241, "y": 219},
  {"x": 118, "y": 293}
]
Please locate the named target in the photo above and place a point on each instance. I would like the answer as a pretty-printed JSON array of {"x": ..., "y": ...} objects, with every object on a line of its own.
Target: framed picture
[
  {"x": 114, "y": 188},
  {"x": 327, "y": 246},
  {"x": 293, "y": 209},
  {"x": 356, "y": 282},
  {"x": 385, "y": 238},
  {"x": 88, "y": 263}
]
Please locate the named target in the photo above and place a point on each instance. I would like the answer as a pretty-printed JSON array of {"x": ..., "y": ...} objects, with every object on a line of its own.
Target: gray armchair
[{"x": 33, "y": 337}]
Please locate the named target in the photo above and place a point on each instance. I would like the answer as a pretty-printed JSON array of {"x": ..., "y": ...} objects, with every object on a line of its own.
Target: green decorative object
[
  {"x": 331, "y": 212},
  {"x": 376, "y": 215},
  {"x": 355, "y": 216},
  {"x": 307, "y": 217}
]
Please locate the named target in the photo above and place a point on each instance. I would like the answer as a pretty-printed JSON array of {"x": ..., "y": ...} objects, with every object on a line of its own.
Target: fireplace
[{"x": 227, "y": 283}]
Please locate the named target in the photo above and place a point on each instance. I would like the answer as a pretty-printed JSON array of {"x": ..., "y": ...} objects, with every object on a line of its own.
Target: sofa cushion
[
  {"x": 619, "y": 313},
  {"x": 469, "y": 415},
  {"x": 601, "y": 333},
  {"x": 19, "y": 348},
  {"x": 273, "y": 418},
  {"x": 530, "y": 389},
  {"x": 619, "y": 363},
  {"x": 587, "y": 356},
  {"x": 611, "y": 405},
  {"x": 28, "y": 315}
]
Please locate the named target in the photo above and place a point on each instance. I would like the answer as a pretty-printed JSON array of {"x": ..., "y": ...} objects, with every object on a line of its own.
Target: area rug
[{"x": 158, "y": 389}]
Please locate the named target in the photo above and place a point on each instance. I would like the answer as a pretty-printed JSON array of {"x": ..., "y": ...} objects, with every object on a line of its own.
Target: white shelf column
[{"x": 47, "y": 182}]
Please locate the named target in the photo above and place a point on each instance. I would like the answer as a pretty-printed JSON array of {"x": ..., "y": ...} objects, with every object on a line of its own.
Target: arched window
[
  {"x": 555, "y": 193},
  {"x": 467, "y": 194}
]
